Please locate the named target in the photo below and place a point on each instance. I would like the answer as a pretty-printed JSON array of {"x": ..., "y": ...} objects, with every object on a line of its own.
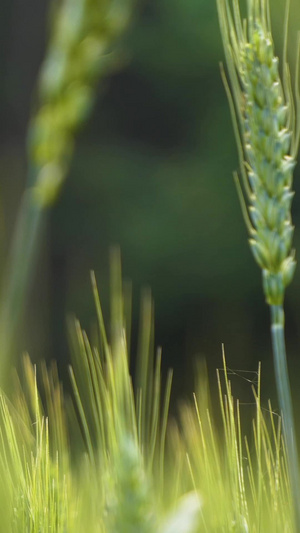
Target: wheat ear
[
  {"x": 79, "y": 55},
  {"x": 268, "y": 136}
]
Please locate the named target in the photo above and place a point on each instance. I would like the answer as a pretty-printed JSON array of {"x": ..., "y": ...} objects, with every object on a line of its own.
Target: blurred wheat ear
[
  {"x": 267, "y": 129},
  {"x": 79, "y": 54}
]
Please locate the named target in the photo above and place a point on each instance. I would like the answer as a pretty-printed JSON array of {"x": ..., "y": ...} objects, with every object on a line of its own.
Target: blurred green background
[{"x": 152, "y": 173}]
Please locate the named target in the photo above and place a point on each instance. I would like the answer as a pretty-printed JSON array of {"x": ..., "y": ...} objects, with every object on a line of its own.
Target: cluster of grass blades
[{"x": 110, "y": 459}]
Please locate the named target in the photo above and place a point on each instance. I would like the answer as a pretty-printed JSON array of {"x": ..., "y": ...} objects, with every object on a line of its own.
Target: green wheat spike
[
  {"x": 267, "y": 132},
  {"x": 263, "y": 116}
]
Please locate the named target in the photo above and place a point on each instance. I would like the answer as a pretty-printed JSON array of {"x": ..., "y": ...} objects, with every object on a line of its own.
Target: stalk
[
  {"x": 285, "y": 403},
  {"x": 18, "y": 277}
]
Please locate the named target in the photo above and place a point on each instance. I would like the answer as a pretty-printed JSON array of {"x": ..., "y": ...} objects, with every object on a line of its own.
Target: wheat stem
[
  {"x": 17, "y": 278},
  {"x": 285, "y": 403}
]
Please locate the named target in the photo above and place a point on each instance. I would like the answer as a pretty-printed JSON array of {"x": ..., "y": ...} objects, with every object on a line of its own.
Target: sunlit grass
[{"x": 111, "y": 459}]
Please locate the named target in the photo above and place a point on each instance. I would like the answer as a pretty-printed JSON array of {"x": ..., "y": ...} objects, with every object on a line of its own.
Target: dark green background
[{"x": 153, "y": 173}]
